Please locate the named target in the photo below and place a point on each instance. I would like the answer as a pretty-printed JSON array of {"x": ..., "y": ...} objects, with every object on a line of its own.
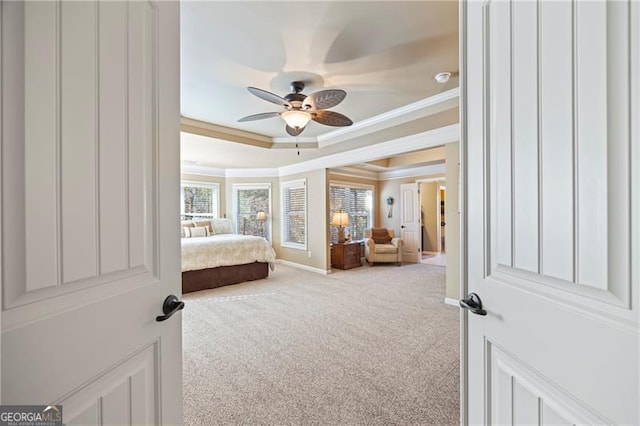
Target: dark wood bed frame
[{"x": 223, "y": 275}]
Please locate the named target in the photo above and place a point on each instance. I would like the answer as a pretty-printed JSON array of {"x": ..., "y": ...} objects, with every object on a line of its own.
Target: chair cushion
[
  {"x": 380, "y": 236},
  {"x": 386, "y": 249}
]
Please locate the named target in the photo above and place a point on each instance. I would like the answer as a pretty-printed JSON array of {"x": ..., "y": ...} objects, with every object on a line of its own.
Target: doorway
[{"x": 432, "y": 193}]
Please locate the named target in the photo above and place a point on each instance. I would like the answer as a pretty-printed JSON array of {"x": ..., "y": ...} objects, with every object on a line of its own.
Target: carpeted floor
[
  {"x": 434, "y": 258},
  {"x": 365, "y": 346}
]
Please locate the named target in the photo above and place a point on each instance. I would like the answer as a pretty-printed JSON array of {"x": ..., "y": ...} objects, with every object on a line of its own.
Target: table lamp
[
  {"x": 340, "y": 219},
  {"x": 262, "y": 217}
]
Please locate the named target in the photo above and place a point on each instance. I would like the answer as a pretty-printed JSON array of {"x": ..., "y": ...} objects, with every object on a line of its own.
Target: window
[
  {"x": 248, "y": 201},
  {"x": 357, "y": 201},
  {"x": 294, "y": 214},
  {"x": 199, "y": 200}
]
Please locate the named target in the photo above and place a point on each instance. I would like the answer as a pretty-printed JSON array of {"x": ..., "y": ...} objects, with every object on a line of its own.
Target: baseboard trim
[
  {"x": 452, "y": 302},
  {"x": 305, "y": 267}
]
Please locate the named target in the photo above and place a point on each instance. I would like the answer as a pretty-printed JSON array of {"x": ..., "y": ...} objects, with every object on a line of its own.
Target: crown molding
[
  {"x": 339, "y": 162},
  {"x": 203, "y": 128},
  {"x": 435, "y": 169},
  {"x": 254, "y": 173},
  {"x": 354, "y": 172},
  {"x": 418, "y": 141},
  {"x": 295, "y": 145},
  {"x": 196, "y": 169},
  {"x": 293, "y": 140},
  {"x": 422, "y": 108}
]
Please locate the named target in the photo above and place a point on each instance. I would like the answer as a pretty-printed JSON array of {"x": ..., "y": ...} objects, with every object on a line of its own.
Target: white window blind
[
  {"x": 199, "y": 200},
  {"x": 249, "y": 200},
  {"x": 357, "y": 201},
  {"x": 294, "y": 214}
]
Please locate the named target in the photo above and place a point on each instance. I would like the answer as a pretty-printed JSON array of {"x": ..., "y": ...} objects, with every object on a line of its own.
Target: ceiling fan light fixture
[
  {"x": 442, "y": 77},
  {"x": 296, "y": 119}
]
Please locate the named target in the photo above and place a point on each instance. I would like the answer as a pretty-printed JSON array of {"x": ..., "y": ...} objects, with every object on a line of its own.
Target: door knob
[
  {"x": 473, "y": 303},
  {"x": 170, "y": 306}
]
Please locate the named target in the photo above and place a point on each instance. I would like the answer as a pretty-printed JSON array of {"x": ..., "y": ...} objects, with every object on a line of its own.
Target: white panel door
[
  {"x": 551, "y": 135},
  {"x": 89, "y": 207},
  {"x": 410, "y": 221}
]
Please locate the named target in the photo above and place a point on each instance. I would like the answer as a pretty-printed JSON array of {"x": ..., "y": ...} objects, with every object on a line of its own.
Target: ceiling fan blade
[
  {"x": 294, "y": 131},
  {"x": 324, "y": 99},
  {"x": 331, "y": 118},
  {"x": 269, "y": 97},
  {"x": 258, "y": 116}
]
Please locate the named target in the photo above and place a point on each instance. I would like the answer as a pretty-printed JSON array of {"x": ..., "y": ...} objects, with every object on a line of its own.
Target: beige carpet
[
  {"x": 434, "y": 258},
  {"x": 365, "y": 346}
]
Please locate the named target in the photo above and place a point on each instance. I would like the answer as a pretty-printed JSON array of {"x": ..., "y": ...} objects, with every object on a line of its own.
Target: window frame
[
  {"x": 294, "y": 184},
  {"x": 234, "y": 201},
  {"x": 355, "y": 185},
  {"x": 198, "y": 184}
]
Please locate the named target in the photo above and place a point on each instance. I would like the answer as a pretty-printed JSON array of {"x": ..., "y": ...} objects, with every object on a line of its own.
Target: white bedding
[{"x": 225, "y": 250}]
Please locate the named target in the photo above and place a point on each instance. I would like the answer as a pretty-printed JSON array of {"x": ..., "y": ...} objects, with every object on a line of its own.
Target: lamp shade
[
  {"x": 340, "y": 218},
  {"x": 261, "y": 215},
  {"x": 296, "y": 119}
]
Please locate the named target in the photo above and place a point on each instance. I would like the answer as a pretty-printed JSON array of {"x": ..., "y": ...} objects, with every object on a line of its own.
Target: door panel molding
[
  {"x": 121, "y": 199},
  {"x": 107, "y": 156},
  {"x": 31, "y": 310},
  {"x": 594, "y": 304},
  {"x": 523, "y": 190},
  {"x": 126, "y": 393},
  {"x": 520, "y": 395},
  {"x": 571, "y": 322}
]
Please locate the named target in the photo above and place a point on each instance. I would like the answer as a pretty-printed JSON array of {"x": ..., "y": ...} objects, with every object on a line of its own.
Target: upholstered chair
[{"x": 381, "y": 245}]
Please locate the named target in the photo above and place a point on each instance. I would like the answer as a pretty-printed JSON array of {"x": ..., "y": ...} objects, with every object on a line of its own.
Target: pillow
[
  {"x": 380, "y": 235},
  {"x": 206, "y": 223},
  {"x": 185, "y": 224},
  {"x": 222, "y": 226},
  {"x": 196, "y": 231}
]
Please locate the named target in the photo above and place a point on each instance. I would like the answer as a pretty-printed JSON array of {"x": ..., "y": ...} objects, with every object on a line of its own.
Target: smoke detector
[{"x": 442, "y": 77}]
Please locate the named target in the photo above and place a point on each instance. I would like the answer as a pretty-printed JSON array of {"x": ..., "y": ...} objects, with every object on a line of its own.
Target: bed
[{"x": 215, "y": 257}]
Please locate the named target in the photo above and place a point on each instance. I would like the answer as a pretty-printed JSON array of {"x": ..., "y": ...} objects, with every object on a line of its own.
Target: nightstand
[{"x": 346, "y": 255}]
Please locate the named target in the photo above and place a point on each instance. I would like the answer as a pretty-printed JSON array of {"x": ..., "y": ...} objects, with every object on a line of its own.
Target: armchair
[{"x": 381, "y": 245}]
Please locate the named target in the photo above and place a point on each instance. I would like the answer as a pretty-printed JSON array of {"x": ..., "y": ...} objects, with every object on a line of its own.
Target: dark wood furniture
[
  {"x": 346, "y": 255},
  {"x": 204, "y": 279}
]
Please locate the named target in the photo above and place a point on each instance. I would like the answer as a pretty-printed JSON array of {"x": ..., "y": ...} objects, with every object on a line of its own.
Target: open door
[
  {"x": 410, "y": 228},
  {"x": 90, "y": 245},
  {"x": 551, "y": 149}
]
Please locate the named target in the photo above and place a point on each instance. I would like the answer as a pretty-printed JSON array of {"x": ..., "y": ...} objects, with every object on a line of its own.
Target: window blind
[
  {"x": 198, "y": 201},
  {"x": 249, "y": 200},
  {"x": 357, "y": 202},
  {"x": 294, "y": 214}
]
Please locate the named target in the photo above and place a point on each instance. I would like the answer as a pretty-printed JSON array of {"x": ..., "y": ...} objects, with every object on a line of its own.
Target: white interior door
[
  {"x": 410, "y": 221},
  {"x": 90, "y": 172},
  {"x": 552, "y": 147}
]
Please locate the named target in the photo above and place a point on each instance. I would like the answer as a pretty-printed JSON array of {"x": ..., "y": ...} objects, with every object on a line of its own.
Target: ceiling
[{"x": 383, "y": 54}]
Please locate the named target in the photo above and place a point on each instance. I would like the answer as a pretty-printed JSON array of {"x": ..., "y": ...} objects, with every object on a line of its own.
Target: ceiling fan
[{"x": 301, "y": 108}]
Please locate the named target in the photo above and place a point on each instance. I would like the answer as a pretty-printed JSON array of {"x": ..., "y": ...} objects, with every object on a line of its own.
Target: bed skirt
[{"x": 204, "y": 279}]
